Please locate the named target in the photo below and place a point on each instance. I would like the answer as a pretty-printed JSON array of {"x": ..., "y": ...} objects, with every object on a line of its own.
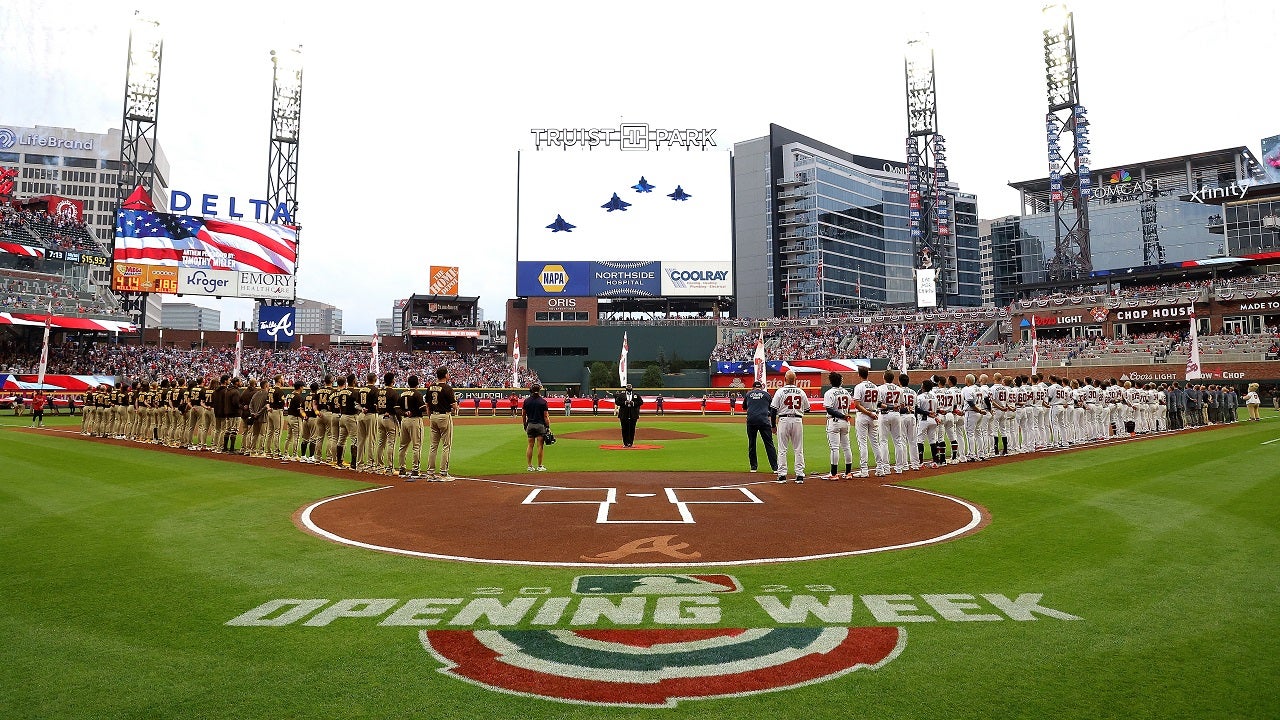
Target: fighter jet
[
  {"x": 561, "y": 224},
  {"x": 643, "y": 186},
  {"x": 616, "y": 203},
  {"x": 679, "y": 194}
]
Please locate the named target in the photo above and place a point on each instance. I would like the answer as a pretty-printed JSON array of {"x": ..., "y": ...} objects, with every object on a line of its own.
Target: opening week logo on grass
[{"x": 586, "y": 647}]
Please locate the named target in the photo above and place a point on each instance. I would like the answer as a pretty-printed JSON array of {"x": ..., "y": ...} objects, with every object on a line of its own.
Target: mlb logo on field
[{"x": 664, "y": 584}]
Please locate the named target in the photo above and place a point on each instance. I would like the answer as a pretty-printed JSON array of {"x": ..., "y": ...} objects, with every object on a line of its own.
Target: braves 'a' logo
[
  {"x": 660, "y": 544},
  {"x": 658, "y": 668}
]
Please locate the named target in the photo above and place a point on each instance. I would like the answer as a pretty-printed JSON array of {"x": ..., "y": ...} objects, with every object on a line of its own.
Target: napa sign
[{"x": 181, "y": 202}]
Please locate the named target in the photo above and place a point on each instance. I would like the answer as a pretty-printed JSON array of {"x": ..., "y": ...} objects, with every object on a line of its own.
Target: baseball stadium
[{"x": 929, "y": 467}]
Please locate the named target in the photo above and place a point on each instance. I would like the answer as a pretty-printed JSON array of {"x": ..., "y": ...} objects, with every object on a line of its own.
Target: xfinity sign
[{"x": 1219, "y": 193}]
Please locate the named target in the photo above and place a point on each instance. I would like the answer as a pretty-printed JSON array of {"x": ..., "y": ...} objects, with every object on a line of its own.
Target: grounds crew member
[{"x": 762, "y": 420}]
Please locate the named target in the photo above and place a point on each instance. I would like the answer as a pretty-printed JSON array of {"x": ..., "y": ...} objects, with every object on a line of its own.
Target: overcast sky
[{"x": 413, "y": 112}]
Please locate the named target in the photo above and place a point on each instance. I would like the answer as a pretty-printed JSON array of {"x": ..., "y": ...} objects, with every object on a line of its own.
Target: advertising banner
[
  {"x": 210, "y": 283},
  {"x": 266, "y": 285},
  {"x": 275, "y": 324},
  {"x": 926, "y": 291},
  {"x": 620, "y": 278},
  {"x": 541, "y": 278},
  {"x": 132, "y": 277},
  {"x": 697, "y": 278},
  {"x": 442, "y": 280}
]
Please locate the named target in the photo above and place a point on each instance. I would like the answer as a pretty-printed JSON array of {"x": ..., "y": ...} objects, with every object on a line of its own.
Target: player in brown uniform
[
  {"x": 385, "y": 417},
  {"x": 326, "y": 423},
  {"x": 197, "y": 420},
  {"x": 344, "y": 408},
  {"x": 366, "y": 423},
  {"x": 310, "y": 422},
  {"x": 410, "y": 407},
  {"x": 275, "y": 417},
  {"x": 442, "y": 403},
  {"x": 293, "y": 416}
]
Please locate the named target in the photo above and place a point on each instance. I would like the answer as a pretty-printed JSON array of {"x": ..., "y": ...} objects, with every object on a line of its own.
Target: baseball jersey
[
  {"x": 908, "y": 399},
  {"x": 1039, "y": 395},
  {"x": 790, "y": 401},
  {"x": 839, "y": 400},
  {"x": 926, "y": 404},
  {"x": 440, "y": 397},
  {"x": 972, "y": 401},
  {"x": 946, "y": 401},
  {"x": 866, "y": 394},
  {"x": 1000, "y": 396},
  {"x": 890, "y": 396}
]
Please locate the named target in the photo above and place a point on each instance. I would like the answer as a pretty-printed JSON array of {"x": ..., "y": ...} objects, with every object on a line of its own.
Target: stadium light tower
[
  {"x": 286, "y": 120},
  {"x": 930, "y": 204},
  {"x": 1066, "y": 123},
  {"x": 138, "y": 128},
  {"x": 141, "y": 108}
]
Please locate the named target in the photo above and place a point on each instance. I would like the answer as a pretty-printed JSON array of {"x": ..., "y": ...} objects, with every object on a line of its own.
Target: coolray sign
[
  {"x": 275, "y": 324},
  {"x": 266, "y": 285},
  {"x": 180, "y": 202},
  {"x": 1156, "y": 313},
  {"x": 697, "y": 278},
  {"x": 215, "y": 283},
  {"x": 590, "y": 647},
  {"x": 627, "y": 136},
  {"x": 10, "y": 138},
  {"x": 1207, "y": 193}
]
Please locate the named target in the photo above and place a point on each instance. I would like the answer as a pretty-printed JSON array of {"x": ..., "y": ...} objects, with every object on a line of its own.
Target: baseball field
[{"x": 1133, "y": 580}]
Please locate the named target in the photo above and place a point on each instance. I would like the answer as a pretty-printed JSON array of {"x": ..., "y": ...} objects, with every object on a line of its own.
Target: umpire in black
[
  {"x": 761, "y": 420},
  {"x": 627, "y": 404}
]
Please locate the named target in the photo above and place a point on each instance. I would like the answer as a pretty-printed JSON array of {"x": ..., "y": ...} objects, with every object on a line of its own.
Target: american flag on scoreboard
[{"x": 184, "y": 240}]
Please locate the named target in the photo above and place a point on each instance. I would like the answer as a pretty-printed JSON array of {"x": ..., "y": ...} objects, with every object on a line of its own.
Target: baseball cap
[
  {"x": 756, "y": 384},
  {"x": 628, "y": 386}
]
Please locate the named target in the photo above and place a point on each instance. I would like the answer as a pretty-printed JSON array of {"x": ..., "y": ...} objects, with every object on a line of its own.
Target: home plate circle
[{"x": 655, "y": 519}]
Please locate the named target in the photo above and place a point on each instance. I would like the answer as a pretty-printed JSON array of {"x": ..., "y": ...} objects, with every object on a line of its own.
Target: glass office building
[
  {"x": 818, "y": 230},
  {"x": 1141, "y": 215}
]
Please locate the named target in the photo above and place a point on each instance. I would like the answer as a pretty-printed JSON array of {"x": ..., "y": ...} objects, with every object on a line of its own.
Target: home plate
[{"x": 641, "y": 494}]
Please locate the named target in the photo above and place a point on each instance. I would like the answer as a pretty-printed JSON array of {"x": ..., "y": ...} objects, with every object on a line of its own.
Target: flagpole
[
  {"x": 44, "y": 348},
  {"x": 622, "y": 362},
  {"x": 1035, "y": 347},
  {"x": 515, "y": 362}
]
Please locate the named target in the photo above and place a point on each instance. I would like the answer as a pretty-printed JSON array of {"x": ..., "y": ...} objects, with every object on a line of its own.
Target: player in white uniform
[
  {"x": 1022, "y": 413},
  {"x": 891, "y": 426},
  {"x": 1059, "y": 399},
  {"x": 909, "y": 422},
  {"x": 985, "y": 421},
  {"x": 836, "y": 402},
  {"x": 1002, "y": 412},
  {"x": 972, "y": 411},
  {"x": 928, "y": 430},
  {"x": 866, "y": 399},
  {"x": 1076, "y": 434},
  {"x": 791, "y": 403},
  {"x": 951, "y": 413},
  {"x": 1094, "y": 411},
  {"x": 1040, "y": 411}
]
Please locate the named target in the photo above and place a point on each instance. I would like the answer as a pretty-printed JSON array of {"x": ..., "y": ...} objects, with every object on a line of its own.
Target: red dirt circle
[{"x": 661, "y": 519}]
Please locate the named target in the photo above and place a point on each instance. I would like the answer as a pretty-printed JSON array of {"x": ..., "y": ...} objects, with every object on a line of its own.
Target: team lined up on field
[
  {"x": 986, "y": 418},
  {"x": 326, "y": 422}
]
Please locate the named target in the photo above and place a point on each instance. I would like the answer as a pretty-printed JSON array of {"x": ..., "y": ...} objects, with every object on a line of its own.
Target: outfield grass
[{"x": 123, "y": 565}]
